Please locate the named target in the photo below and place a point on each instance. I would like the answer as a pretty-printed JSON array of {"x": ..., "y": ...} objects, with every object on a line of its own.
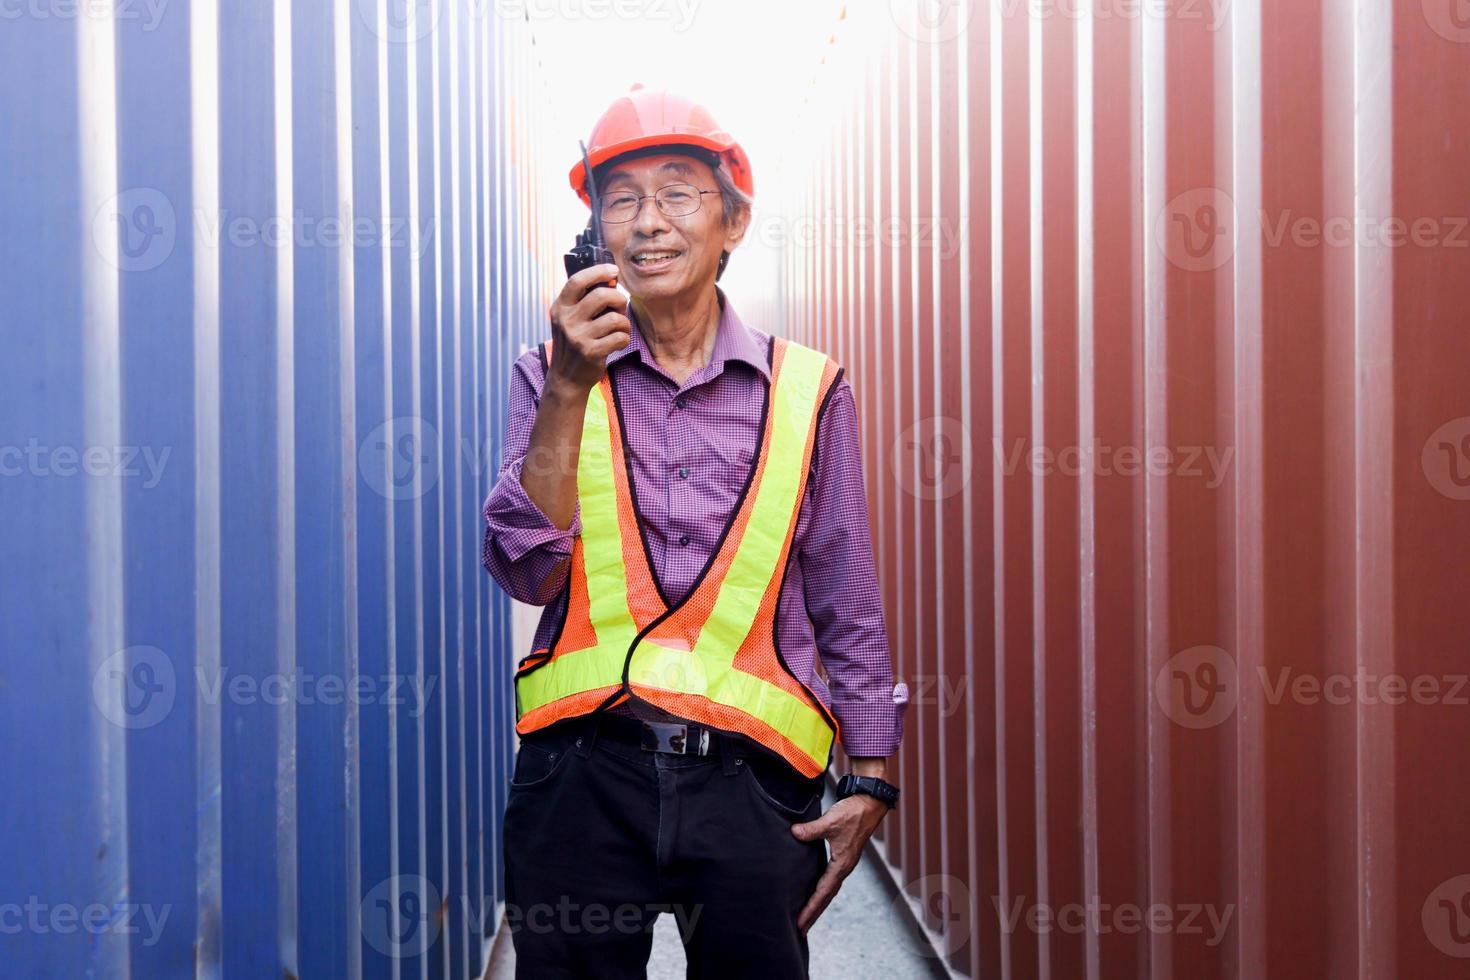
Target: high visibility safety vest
[{"x": 712, "y": 656}]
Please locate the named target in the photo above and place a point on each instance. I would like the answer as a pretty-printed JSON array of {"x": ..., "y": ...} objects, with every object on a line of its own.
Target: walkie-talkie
[{"x": 590, "y": 250}]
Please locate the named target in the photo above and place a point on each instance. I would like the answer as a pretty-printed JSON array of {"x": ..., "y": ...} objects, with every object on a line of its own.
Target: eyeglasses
[{"x": 674, "y": 200}]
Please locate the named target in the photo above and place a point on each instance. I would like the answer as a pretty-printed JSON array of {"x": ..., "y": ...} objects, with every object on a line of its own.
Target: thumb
[{"x": 810, "y": 829}]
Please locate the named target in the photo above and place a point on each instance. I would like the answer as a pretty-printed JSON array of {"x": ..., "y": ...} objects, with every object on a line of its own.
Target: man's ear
[{"x": 736, "y": 229}]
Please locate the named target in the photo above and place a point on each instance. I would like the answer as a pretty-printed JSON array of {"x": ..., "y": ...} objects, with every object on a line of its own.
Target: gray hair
[{"x": 736, "y": 202}]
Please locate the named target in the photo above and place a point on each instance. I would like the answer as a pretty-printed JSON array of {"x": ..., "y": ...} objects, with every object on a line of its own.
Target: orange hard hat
[{"x": 650, "y": 118}]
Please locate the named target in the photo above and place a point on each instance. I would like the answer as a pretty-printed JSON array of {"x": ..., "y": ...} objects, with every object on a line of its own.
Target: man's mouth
[{"x": 652, "y": 259}]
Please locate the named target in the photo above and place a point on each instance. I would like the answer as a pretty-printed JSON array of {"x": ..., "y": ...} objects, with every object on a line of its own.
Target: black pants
[{"x": 600, "y": 837}]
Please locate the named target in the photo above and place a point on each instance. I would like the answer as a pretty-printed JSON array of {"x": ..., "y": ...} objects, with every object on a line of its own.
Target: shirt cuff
[
  {"x": 873, "y": 729},
  {"x": 519, "y": 527}
]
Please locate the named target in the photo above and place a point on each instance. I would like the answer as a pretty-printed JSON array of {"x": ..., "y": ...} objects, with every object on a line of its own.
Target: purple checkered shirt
[{"x": 692, "y": 447}]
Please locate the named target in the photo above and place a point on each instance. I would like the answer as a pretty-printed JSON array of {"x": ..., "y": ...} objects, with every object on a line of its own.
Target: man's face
[{"x": 658, "y": 256}]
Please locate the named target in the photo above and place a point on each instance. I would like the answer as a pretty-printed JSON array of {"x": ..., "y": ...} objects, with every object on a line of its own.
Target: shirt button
[
  {"x": 684, "y": 540},
  {"x": 683, "y": 472},
  {"x": 679, "y": 401}
]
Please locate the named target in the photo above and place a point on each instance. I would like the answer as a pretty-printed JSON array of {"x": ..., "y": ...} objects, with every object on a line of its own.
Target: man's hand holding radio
[{"x": 588, "y": 322}]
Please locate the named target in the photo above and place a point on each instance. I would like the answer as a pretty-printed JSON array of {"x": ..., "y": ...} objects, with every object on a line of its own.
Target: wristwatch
[{"x": 869, "y": 786}]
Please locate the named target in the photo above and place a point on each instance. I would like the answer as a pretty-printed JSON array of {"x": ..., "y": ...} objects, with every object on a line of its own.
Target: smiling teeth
[{"x": 655, "y": 256}]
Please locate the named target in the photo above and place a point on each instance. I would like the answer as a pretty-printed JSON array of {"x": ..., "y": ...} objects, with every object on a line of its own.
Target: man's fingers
[
  {"x": 814, "y": 829},
  {"x": 609, "y": 323},
  {"x": 587, "y": 278},
  {"x": 602, "y": 298},
  {"x": 822, "y": 896},
  {"x": 600, "y": 349}
]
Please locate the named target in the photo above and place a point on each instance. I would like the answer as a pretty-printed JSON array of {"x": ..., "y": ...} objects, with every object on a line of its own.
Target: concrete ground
[{"x": 862, "y": 934}]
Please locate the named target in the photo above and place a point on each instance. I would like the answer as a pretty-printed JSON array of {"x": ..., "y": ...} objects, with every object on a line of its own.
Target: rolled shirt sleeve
[
  {"x": 524, "y": 551},
  {"x": 842, "y": 595}
]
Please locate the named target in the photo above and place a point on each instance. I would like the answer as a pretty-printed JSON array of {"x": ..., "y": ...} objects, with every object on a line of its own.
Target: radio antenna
[{"x": 592, "y": 193}]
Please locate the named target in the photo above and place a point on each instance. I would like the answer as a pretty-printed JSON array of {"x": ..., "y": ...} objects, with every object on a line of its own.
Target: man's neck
[{"x": 681, "y": 335}]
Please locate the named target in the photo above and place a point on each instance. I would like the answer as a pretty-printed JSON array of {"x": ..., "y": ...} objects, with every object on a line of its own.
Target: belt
[{"x": 670, "y": 738}]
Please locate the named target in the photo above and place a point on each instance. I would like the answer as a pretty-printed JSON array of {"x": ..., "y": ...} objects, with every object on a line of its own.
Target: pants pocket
[
  {"x": 788, "y": 794},
  {"x": 538, "y": 762}
]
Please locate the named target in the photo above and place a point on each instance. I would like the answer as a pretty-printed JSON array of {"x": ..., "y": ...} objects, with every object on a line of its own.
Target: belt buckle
[
  {"x": 673, "y": 738},
  {"x": 662, "y": 736}
]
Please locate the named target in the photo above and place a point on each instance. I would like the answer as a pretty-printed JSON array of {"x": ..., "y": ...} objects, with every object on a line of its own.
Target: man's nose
[{"x": 651, "y": 218}]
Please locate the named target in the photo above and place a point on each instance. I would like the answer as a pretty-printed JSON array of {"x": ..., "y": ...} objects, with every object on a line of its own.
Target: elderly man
[{"x": 683, "y": 493}]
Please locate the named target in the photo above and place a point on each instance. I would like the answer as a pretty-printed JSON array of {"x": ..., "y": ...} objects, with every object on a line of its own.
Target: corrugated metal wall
[
  {"x": 1157, "y": 318},
  {"x": 261, "y": 269}
]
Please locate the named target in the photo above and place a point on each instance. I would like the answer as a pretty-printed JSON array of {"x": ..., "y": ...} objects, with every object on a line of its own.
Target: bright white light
[{"x": 751, "y": 62}]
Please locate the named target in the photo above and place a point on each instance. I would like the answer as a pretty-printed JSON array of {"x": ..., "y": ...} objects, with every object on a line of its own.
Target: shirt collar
[{"x": 734, "y": 341}]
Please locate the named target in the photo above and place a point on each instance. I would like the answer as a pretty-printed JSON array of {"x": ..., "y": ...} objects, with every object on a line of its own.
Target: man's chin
[{"x": 661, "y": 288}]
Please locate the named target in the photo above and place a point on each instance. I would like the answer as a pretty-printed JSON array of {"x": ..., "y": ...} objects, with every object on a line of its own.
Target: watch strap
[{"x": 852, "y": 784}]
